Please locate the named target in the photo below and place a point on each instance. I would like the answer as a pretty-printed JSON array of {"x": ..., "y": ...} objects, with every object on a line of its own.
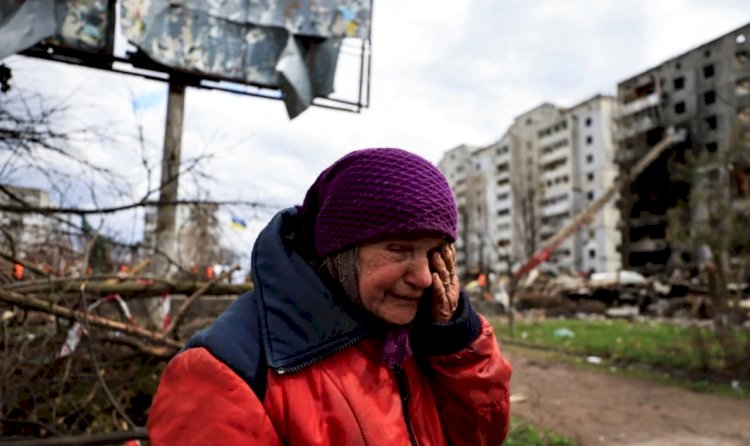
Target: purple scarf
[{"x": 396, "y": 349}]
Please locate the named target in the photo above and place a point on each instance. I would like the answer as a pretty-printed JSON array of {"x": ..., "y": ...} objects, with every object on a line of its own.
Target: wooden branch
[
  {"x": 28, "y": 209},
  {"x": 162, "y": 352},
  {"x": 130, "y": 289},
  {"x": 66, "y": 313},
  {"x": 91, "y": 439},
  {"x": 189, "y": 301}
]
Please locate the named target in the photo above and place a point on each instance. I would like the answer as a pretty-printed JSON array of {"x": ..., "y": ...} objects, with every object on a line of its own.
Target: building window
[
  {"x": 679, "y": 83},
  {"x": 707, "y": 53},
  {"x": 743, "y": 114},
  {"x": 589, "y": 140},
  {"x": 709, "y": 97},
  {"x": 677, "y": 65},
  {"x": 588, "y": 122},
  {"x": 679, "y": 108},
  {"x": 712, "y": 147},
  {"x": 712, "y": 123},
  {"x": 741, "y": 58},
  {"x": 708, "y": 71},
  {"x": 742, "y": 86},
  {"x": 503, "y": 212},
  {"x": 590, "y": 177},
  {"x": 592, "y": 253},
  {"x": 590, "y": 195},
  {"x": 589, "y": 158}
]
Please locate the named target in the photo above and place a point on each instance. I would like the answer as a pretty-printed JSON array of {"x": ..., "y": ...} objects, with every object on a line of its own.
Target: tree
[
  {"x": 50, "y": 383},
  {"x": 710, "y": 229}
]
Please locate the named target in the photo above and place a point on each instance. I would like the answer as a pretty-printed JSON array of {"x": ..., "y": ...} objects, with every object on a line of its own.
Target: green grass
[
  {"x": 523, "y": 434},
  {"x": 661, "y": 347}
]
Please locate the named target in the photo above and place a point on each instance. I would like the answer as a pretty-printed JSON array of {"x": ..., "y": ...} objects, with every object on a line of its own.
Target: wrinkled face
[{"x": 393, "y": 274}]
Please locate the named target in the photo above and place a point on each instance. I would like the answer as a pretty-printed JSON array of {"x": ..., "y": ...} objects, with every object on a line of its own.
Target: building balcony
[
  {"x": 641, "y": 125},
  {"x": 648, "y": 245},
  {"x": 505, "y": 203},
  {"x": 505, "y": 188},
  {"x": 550, "y": 229},
  {"x": 646, "y": 219},
  {"x": 643, "y": 103},
  {"x": 555, "y": 155},
  {"x": 563, "y": 169},
  {"x": 557, "y": 209}
]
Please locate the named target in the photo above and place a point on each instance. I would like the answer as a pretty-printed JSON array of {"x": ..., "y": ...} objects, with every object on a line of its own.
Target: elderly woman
[{"x": 356, "y": 333}]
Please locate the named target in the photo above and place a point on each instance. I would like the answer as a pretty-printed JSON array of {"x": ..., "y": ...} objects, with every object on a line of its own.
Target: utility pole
[{"x": 166, "y": 232}]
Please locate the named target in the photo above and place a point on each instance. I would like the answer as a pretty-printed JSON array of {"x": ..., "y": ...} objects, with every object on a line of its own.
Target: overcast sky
[{"x": 444, "y": 74}]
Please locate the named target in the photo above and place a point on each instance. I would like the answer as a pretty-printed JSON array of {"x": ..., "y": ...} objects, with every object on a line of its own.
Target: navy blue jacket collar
[{"x": 300, "y": 321}]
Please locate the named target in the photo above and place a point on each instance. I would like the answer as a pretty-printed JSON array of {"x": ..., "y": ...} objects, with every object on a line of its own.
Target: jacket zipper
[
  {"x": 403, "y": 390},
  {"x": 308, "y": 363}
]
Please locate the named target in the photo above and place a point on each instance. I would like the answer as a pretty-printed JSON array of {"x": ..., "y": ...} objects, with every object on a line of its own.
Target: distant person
[
  {"x": 356, "y": 332},
  {"x": 19, "y": 271}
]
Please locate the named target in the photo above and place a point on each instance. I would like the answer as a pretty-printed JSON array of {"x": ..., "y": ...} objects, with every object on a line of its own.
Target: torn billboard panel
[
  {"x": 287, "y": 44},
  {"x": 78, "y": 24}
]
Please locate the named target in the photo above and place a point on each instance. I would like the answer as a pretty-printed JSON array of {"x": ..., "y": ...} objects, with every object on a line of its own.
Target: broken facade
[{"x": 705, "y": 91}]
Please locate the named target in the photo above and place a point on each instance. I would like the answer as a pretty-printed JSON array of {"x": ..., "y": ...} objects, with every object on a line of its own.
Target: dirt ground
[{"x": 597, "y": 408}]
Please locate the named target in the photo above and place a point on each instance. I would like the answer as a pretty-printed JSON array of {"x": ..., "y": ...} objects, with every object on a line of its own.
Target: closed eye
[{"x": 398, "y": 248}]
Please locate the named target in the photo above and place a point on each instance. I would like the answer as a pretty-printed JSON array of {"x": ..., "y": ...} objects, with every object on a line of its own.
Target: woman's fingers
[
  {"x": 441, "y": 267},
  {"x": 445, "y": 284},
  {"x": 442, "y": 310}
]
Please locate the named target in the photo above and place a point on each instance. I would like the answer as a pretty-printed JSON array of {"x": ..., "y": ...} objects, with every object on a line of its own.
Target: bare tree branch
[
  {"x": 66, "y": 313},
  {"x": 26, "y": 209},
  {"x": 198, "y": 293}
]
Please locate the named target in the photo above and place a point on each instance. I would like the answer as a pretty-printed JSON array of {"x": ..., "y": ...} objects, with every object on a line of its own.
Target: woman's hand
[{"x": 445, "y": 284}]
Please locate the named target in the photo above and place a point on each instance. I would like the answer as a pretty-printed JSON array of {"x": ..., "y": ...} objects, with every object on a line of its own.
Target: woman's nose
[{"x": 419, "y": 274}]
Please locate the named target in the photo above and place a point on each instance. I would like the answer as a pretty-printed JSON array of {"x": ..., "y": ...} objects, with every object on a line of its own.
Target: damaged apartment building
[
  {"x": 516, "y": 193},
  {"x": 706, "y": 92}
]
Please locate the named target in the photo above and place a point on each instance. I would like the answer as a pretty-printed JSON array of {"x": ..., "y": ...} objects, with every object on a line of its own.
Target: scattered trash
[
  {"x": 593, "y": 360},
  {"x": 7, "y": 314},
  {"x": 524, "y": 335},
  {"x": 626, "y": 311},
  {"x": 618, "y": 277},
  {"x": 518, "y": 398},
  {"x": 564, "y": 332}
]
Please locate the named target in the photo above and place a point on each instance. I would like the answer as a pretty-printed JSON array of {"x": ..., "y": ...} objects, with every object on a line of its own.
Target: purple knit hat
[{"x": 374, "y": 193}]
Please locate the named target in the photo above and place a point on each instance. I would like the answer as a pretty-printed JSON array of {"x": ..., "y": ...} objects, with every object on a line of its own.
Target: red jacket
[{"x": 307, "y": 371}]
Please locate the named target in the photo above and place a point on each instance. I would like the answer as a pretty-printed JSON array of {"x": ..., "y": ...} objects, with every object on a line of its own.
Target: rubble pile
[{"x": 625, "y": 294}]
